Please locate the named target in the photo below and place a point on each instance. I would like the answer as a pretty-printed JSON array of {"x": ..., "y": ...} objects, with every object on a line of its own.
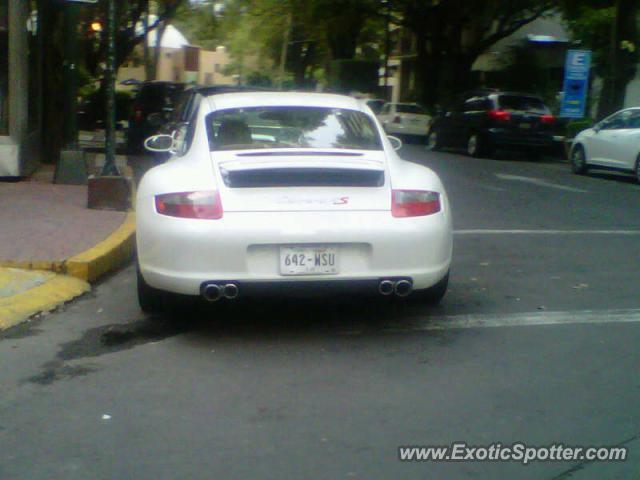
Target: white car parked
[
  {"x": 288, "y": 189},
  {"x": 405, "y": 119},
  {"x": 613, "y": 143}
]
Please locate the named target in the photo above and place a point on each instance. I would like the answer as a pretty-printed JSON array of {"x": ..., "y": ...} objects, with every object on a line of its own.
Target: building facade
[
  {"x": 179, "y": 61},
  {"x": 20, "y": 87}
]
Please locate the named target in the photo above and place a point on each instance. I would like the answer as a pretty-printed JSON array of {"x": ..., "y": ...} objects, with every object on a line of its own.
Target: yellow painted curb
[
  {"x": 49, "y": 295},
  {"x": 52, "y": 266},
  {"x": 106, "y": 255},
  {"x": 91, "y": 264}
]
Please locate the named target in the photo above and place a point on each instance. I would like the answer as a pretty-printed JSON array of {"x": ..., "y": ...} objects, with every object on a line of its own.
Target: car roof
[
  {"x": 207, "y": 90},
  {"x": 258, "y": 99},
  {"x": 494, "y": 92}
]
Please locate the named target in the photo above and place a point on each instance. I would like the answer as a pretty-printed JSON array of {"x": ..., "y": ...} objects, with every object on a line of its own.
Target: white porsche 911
[{"x": 283, "y": 190}]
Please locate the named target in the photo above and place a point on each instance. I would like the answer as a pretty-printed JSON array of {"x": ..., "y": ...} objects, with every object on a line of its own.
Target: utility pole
[
  {"x": 110, "y": 190},
  {"x": 70, "y": 75},
  {"x": 110, "y": 168}
]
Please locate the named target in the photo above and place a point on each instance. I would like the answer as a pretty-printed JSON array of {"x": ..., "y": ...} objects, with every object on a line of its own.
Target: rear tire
[
  {"x": 638, "y": 169},
  {"x": 433, "y": 295},
  {"x": 433, "y": 142},
  {"x": 579, "y": 164},
  {"x": 477, "y": 146},
  {"x": 150, "y": 299}
]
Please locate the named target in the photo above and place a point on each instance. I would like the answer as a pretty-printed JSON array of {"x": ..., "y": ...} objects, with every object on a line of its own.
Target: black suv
[
  {"x": 151, "y": 108},
  {"x": 483, "y": 121}
]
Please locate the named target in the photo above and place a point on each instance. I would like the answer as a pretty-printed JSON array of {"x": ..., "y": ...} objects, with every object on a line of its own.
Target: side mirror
[
  {"x": 159, "y": 143},
  {"x": 597, "y": 127},
  {"x": 396, "y": 143}
]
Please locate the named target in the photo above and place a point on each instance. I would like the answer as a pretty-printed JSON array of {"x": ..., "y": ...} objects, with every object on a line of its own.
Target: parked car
[
  {"x": 405, "y": 119},
  {"x": 483, "y": 121},
  {"x": 613, "y": 143},
  {"x": 375, "y": 104},
  {"x": 186, "y": 107},
  {"x": 91, "y": 110},
  {"x": 151, "y": 108},
  {"x": 285, "y": 190}
]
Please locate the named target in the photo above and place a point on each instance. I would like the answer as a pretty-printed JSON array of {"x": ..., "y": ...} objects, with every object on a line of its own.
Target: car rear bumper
[
  {"x": 400, "y": 129},
  {"x": 514, "y": 138},
  {"x": 179, "y": 255}
]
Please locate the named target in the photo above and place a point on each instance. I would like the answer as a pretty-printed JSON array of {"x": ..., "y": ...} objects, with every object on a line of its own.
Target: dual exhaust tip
[
  {"x": 400, "y": 288},
  {"x": 212, "y": 292}
]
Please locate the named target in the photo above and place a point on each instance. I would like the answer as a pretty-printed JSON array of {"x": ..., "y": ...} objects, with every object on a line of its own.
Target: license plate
[
  {"x": 308, "y": 260},
  {"x": 525, "y": 125}
]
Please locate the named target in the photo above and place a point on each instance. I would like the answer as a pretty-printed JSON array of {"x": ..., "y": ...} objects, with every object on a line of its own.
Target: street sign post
[
  {"x": 110, "y": 167},
  {"x": 576, "y": 84}
]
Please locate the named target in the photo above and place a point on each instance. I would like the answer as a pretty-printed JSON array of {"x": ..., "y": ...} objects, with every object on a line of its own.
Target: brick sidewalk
[{"x": 40, "y": 221}]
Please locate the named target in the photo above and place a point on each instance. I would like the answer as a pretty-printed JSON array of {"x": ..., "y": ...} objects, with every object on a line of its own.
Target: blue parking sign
[{"x": 576, "y": 83}]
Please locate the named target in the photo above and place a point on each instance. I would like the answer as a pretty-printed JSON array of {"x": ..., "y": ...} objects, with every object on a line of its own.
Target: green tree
[
  {"x": 451, "y": 34},
  {"x": 130, "y": 31},
  {"x": 199, "y": 23},
  {"x": 610, "y": 29},
  {"x": 303, "y": 36}
]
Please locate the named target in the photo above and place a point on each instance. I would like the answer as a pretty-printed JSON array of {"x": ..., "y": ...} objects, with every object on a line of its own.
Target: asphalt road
[{"x": 536, "y": 342}]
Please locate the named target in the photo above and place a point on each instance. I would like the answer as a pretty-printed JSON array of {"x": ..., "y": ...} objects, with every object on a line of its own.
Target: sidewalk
[{"x": 47, "y": 227}]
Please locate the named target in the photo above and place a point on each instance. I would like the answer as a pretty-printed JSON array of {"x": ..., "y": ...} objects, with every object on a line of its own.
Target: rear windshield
[
  {"x": 516, "y": 103},
  {"x": 408, "y": 108},
  {"x": 291, "y": 127}
]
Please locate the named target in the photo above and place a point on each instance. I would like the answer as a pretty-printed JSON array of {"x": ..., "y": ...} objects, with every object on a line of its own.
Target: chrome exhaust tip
[
  {"x": 211, "y": 292},
  {"x": 386, "y": 287},
  {"x": 230, "y": 291},
  {"x": 403, "y": 288}
]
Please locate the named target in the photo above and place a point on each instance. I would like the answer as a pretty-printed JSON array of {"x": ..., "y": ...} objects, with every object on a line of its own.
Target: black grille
[{"x": 303, "y": 177}]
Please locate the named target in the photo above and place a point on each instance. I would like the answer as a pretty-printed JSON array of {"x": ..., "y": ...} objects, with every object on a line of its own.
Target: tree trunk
[
  {"x": 624, "y": 56},
  {"x": 149, "y": 72},
  {"x": 155, "y": 58}
]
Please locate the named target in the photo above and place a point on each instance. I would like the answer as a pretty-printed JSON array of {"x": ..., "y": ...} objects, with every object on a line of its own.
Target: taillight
[
  {"x": 499, "y": 115},
  {"x": 548, "y": 119},
  {"x": 397, "y": 119},
  {"x": 414, "y": 203},
  {"x": 201, "y": 205},
  {"x": 137, "y": 113}
]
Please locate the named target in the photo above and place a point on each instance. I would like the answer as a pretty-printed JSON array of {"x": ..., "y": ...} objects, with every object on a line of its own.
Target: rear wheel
[
  {"x": 433, "y": 295},
  {"x": 579, "y": 160},
  {"x": 638, "y": 169},
  {"x": 477, "y": 146},
  {"x": 149, "y": 298},
  {"x": 433, "y": 141}
]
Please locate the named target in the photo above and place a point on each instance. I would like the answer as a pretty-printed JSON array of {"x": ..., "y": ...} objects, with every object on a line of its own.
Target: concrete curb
[
  {"x": 91, "y": 264},
  {"x": 107, "y": 255},
  {"x": 55, "y": 291},
  {"x": 70, "y": 278}
]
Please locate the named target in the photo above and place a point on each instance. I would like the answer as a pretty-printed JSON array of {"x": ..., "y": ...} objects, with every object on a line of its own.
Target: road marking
[
  {"x": 543, "y": 232},
  {"x": 516, "y": 320},
  {"x": 539, "y": 182}
]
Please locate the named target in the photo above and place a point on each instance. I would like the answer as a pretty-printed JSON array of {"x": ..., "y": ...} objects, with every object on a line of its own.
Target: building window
[
  {"x": 208, "y": 78},
  {"x": 4, "y": 67}
]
